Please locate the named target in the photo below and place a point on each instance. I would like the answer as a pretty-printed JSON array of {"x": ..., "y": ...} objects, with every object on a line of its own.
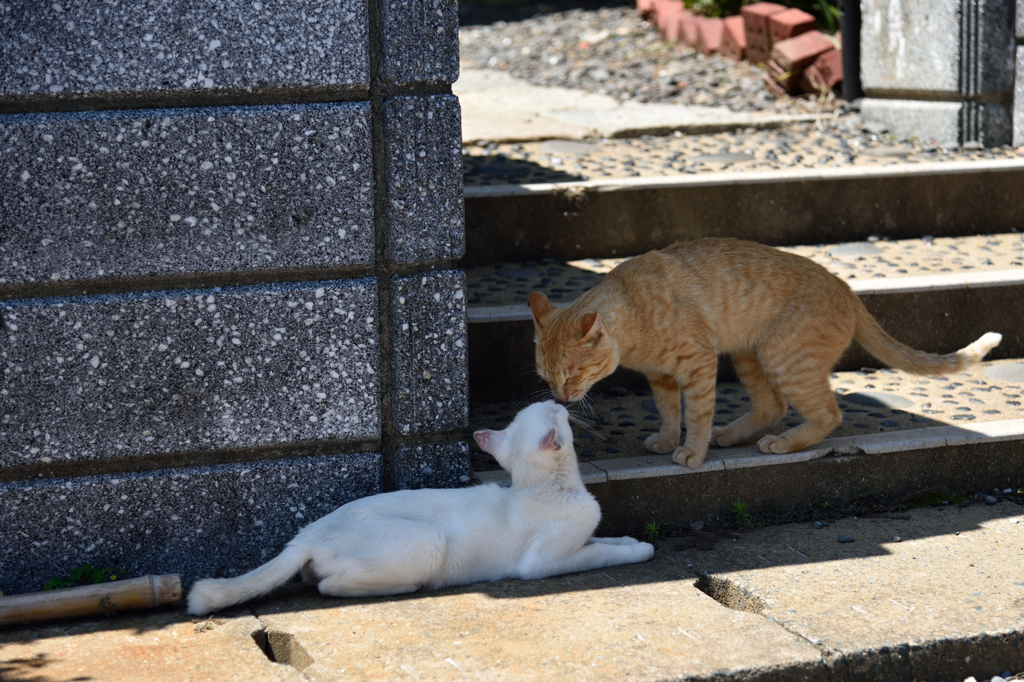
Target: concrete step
[
  {"x": 936, "y": 294},
  {"x": 620, "y": 216},
  {"x": 930, "y": 593},
  {"x": 900, "y": 433}
]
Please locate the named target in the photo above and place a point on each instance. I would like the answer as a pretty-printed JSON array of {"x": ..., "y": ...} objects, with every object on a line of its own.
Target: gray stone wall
[
  {"x": 1018, "y": 85},
  {"x": 228, "y": 282},
  {"x": 939, "y": 71}
]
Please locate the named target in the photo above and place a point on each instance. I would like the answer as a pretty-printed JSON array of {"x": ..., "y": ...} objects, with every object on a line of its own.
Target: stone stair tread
[
  {"x": 1000, "y": 255},
  {"x": 801, "y": 145},
  {"x": 873, "y": 402}
]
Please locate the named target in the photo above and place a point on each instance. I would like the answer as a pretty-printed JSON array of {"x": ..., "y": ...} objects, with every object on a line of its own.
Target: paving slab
[
  {"x": 166, "y": 645},
  {"x": 934, "y": 593},
  {"x": 639, "y": 622},
  {"x": 498, "y": 107}
]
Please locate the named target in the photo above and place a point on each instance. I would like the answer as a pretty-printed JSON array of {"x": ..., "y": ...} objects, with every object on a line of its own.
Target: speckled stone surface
[
  {"x": 511, "y": 283},
  {"x": 420, "y": 41},
  {"x": 163, "y": 372},
  {"x": 831, "y": 143},
  {"x": 70, "y": 50},
  {"x": 444, "y": 465},
  {"x": 178, "y": 191},
  {"x": 429, "y": 383},
  {"x": 198, "y": 522},
  {"x": 872, "y": 401},
  {"x": 426, "y": 218}
]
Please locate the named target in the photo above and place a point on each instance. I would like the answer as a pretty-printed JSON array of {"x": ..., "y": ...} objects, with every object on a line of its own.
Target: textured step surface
[
  {"x": 936, "y": 294},
  {"x": 872, "y": 402},
  {"x": 510, "y": 284},
  {"x": 835, "y": 144}
]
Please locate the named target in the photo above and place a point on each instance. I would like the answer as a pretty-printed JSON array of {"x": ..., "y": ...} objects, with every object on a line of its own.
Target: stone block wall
[
  {"x": 939, "y": 70},
  {"x": 228, "y": 284},
  {"x": 1018, "y": 83}
]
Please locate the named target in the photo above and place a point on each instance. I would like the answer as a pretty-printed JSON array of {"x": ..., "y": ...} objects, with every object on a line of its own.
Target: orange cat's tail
[{"x": 899, "y": 356}]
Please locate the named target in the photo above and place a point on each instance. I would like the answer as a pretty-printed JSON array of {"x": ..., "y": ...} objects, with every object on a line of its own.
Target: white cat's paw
[
  {"x": 654, "y": 443},
  {"x": 626, "y": 540},
  {"x": 644, "y": 551},
  {"x": 773, "y": 445},
  {"x": 688, "y": 458}
]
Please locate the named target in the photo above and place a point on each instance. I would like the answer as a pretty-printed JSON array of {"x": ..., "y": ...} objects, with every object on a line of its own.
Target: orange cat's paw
[
  {"x": 773, "y": 445},
  {"x": 688, "y": 458},
  {"x": 721, "y": 438},
  {"x": 654, "y": 443}
]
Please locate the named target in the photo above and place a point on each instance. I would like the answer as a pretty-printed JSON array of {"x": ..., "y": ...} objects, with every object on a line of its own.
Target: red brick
[
  {"x": 709, "y": 35},
  {"x": 792, "y": 22},
  {"x": 811, "y": 81},
  {"x": 755, "y": 19},
  {"x": 773, "y": 87},
  {"x": 734, "y": 38},
  {"x": 663, "y": 9},
  {"x": 796, "y": 54},
  {"x": 688, "y": 24},
  {"x": 780, "y": 80},
  {"x": 830, "y": 65},
  {"x": 645, "y": 8},
  {"x": 673, "y": 28}
]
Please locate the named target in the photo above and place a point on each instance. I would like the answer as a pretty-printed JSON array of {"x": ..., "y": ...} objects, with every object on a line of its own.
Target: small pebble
[
  {"x": 817, "y": 524},
  {"x": 845, "y": 538},
  {"x": 896, "y": 538},
  {"x": 990, "y": 500}
]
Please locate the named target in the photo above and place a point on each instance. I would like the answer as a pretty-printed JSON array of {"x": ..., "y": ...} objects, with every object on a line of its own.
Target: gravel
[
  {"x": 833, "y": 141},
  {"x": 612, "y": 51}
]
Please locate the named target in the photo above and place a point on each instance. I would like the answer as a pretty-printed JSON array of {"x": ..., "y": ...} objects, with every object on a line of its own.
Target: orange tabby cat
[{"x": 784, "y": 319}]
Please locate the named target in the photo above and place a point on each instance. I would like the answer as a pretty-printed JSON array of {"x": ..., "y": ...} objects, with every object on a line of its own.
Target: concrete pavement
[
  {"x": 943, "y": 601},
  {"x": 498, "y": 107}
]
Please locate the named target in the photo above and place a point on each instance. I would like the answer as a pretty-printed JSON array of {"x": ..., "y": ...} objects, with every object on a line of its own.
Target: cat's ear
[
  {"x": 489, "y": 441},
  {"x": 592, "y": 327},
  {"x": 551, "y": 441},
  {"x": 541, "y": 308}
]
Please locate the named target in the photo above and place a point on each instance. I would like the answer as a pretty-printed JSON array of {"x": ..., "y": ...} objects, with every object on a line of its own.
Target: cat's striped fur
[{"x": 784, "y": 319}]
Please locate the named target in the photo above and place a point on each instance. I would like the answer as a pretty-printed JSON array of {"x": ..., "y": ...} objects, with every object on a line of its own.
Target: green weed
[{"x": 651, "y": 531}]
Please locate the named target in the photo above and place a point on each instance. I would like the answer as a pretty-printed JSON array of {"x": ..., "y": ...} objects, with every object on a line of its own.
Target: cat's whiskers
[{"x": 586, "y": 424}]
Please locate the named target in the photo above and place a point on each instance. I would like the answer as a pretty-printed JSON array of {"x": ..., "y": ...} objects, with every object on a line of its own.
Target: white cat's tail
[
  {"x": 900, "y": 356},
  {"x": 216, "y": 593}
]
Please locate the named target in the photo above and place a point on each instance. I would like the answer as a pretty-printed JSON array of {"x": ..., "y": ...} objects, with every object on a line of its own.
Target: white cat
[{"x": 398, "y": 542}]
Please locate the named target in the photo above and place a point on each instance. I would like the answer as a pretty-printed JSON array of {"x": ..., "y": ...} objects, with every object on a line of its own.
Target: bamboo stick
[{"x": 138, "y": 593}]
